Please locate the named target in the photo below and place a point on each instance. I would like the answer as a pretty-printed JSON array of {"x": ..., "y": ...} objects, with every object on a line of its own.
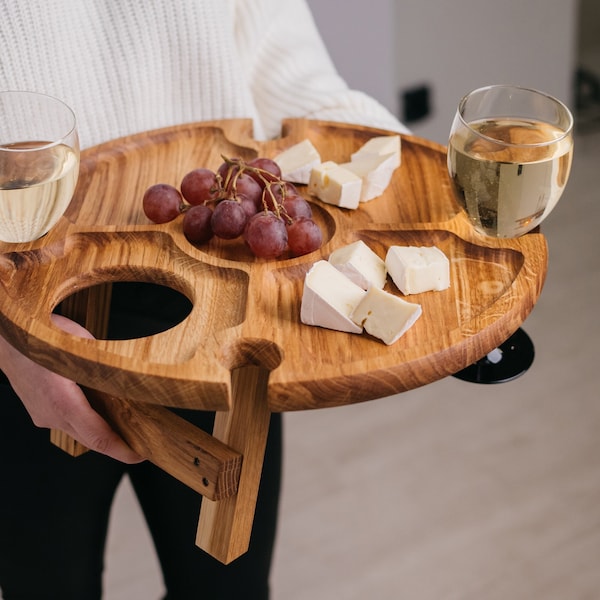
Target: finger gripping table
[{"x": 242, "y": 350}]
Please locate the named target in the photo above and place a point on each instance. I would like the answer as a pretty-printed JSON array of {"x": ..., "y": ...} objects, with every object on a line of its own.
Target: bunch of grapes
[{"x": 248, "y": 199}]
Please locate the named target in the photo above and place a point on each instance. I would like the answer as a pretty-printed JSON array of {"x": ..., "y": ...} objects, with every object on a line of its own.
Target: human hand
[{"x": 55, "y": 402}]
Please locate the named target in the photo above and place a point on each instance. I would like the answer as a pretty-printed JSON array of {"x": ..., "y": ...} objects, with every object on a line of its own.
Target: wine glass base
[{"x": 506, "y": 362}]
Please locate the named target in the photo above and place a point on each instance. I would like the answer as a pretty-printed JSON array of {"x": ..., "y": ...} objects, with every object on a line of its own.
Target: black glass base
[{"x": 505, "y": 363}]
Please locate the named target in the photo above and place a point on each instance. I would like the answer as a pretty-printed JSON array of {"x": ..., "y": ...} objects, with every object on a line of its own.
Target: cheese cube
[
  {"x": 385, "y": 316},
  {"x": 329, "y": 298},
  {"x": 381, "y": 146},
  {"x": 418, "y": 269},
  {"x": 335, "y": 185},
  {"x": 360, "y": 264},
  {"x": 375, "y": 171},
  {"x": 297, "y": 161}
]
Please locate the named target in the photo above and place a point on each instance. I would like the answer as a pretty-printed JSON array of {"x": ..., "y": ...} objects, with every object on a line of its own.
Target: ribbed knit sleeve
[{"x": 290, "y": 72}]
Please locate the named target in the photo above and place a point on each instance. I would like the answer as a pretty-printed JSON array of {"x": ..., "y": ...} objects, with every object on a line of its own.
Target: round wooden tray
[
  {"x": 247, "y": 311},
  {"x": 242, "y": 349}
]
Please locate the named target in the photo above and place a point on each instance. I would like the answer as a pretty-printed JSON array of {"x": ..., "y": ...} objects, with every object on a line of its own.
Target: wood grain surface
[{"x": 246, "y": 311}]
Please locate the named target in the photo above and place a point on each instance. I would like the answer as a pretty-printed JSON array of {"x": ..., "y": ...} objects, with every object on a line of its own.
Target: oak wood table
[{"x": 242, "y": 350}]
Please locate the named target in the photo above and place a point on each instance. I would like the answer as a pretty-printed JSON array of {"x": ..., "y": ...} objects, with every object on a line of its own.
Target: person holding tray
[{"x": 127, "y": 67}]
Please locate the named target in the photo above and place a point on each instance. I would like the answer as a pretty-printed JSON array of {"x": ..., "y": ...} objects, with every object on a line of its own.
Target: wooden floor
[{"x": 455, "y": 491}]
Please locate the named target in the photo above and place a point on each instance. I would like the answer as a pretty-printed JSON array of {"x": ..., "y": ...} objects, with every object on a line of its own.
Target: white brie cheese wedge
[
  {"x": 335, "y": 185},
  {"x": 381, "y": 146},
  {"x": 418, "y": 269},
  {"x": 385, "y": 316},
  {"x": 329, "y": 298},
  {"x": 375, "y": 171},
  {"x": 297, "y": 161},
  {"x": 360, "y": 264}
]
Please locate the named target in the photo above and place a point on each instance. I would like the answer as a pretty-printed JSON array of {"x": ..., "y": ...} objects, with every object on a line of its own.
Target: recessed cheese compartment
[{"x": 361, "y": 177}]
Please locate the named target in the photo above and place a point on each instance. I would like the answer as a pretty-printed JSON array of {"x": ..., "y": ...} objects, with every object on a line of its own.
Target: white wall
[
  {"x": 386, "y": 46},
  {"x": 360, "y": 36}
]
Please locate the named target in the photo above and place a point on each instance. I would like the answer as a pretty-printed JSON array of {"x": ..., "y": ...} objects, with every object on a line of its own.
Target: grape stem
[{"x": 265, "y": 176}]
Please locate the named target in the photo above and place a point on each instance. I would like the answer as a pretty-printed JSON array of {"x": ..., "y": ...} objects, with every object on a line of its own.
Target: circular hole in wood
[{"x": 139, "y": 309}]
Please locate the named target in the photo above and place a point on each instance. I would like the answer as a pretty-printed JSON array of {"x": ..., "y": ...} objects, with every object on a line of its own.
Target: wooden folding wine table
[{"x": 242, "y": 350}]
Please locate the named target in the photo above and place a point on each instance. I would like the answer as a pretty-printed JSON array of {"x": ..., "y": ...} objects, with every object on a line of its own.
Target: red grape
[
  {"x": 245, "y": 185},
  {"x": 269, "y": 170},
  {"x": 266, "y": 235},
  {"x": 248, "y": 205},
  {"x": 162, "y": 202},
  {"x": 229, "y": 219},
  {"x": 304, "y": 236},
  {"x": 296, "y": 207},
  {"x": 274, "y": 194},
  {"x": 199, "y": 186},
  {"x": 284, "y": 189},
  {"x": 196, "y": 224}
]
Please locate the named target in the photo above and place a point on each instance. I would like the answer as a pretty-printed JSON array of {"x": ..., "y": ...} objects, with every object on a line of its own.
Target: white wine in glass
[
  {"x": 509, "y": 157},
  {"x": 39, "y": 164}
]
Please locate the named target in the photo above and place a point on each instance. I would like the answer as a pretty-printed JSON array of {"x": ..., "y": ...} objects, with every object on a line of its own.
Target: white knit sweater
[{"x": 126, "y": 66}]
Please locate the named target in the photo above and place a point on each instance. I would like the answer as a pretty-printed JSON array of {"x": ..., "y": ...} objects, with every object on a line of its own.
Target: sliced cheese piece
[
  {"x": 381, "y": 146},
  {"x": 375, "y": 171},
  {"x": 360, "y": 264},
  {"x": 418, "y": 269},
  {"x": 385, "y": 316},
  {"x": 335, "y": 185},
  {"x": 297, "y": 161},
  {"x": 329, "y": 298}
]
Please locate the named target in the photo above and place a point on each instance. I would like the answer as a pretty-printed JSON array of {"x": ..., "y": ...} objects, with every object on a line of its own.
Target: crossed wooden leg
[{"x": 225, "y": 467}]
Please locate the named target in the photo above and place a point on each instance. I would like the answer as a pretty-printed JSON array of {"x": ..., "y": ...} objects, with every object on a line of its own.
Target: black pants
[{"x": 54, "y": 512}]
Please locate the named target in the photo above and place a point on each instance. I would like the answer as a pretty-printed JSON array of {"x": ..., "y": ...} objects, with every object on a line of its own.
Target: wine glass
[
  {"x": 509, "y": 156},
  {"x": 39, "y": 163}
]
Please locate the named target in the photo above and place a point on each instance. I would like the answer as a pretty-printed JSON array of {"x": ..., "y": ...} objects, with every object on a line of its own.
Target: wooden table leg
[
  {"x": 183, "y": 450},
  {"x": 225, "y": 526},
  {"x": 66, "y": 443}
]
